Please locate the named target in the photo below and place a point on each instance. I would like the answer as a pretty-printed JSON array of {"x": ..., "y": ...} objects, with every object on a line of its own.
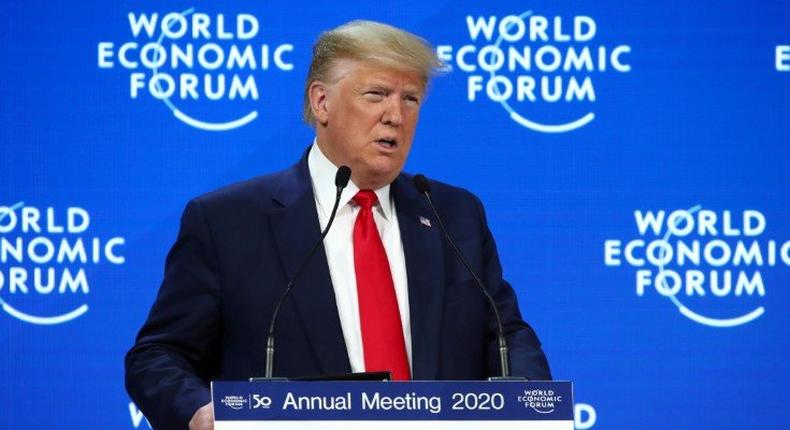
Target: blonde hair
[{"x": 372, "y": 42}]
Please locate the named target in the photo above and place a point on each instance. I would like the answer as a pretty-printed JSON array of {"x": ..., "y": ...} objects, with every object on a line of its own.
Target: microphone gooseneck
[
  {"x": 341, "y": 181},
  {"x": 423, "y": 187}
]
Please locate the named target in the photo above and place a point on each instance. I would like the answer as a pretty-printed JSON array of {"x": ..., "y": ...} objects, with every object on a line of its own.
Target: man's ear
[{"x": 318, "y": 100}]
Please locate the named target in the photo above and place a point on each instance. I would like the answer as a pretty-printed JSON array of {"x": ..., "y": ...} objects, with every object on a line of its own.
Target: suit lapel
[
  {"x": 296, "y": 229},
  {"x": 422, "y": 247}
]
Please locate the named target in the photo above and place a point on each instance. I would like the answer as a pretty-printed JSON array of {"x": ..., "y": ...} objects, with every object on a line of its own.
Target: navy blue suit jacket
[{"x": 237, "y": 248}]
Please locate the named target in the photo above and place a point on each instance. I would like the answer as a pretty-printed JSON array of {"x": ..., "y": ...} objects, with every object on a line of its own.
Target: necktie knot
[{"x": 366, "y": 199}]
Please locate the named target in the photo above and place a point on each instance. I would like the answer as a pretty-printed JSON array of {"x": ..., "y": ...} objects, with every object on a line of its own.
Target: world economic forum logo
[
  {"x": 235, "y": 402},
  {"x": 46, "y": 256},
  {"x": 540, "y": 401},
  {"x": 205, "y": 69},
  {"x": 712, "y": 265},
  {"x": 538, "y": 68}
]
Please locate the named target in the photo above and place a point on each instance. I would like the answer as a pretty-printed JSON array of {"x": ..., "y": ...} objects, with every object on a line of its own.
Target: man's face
[{"x": 366, "y": 120}]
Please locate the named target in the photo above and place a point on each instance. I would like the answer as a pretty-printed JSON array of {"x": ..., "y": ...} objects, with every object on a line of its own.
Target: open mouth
[{"x": 388, "y": 143}]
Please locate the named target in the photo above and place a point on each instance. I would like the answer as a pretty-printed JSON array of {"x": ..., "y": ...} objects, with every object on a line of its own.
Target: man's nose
[{"x": 393, "y": 112}]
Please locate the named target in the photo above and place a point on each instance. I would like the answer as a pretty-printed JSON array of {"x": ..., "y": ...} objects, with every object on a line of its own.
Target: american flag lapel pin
[{"x": 425, "y": 222}]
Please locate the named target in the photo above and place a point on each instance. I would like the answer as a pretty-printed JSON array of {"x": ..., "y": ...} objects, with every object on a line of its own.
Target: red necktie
[{"x": 382, "y": 332}]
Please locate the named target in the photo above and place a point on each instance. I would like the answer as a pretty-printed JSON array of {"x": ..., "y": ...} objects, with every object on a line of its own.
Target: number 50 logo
[{"x": 261, "y": 402}]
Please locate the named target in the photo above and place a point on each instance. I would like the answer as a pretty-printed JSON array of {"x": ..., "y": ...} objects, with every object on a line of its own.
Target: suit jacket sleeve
[
  {"x": 526, "y": 355},
  {"x": 168, "y": 367}
]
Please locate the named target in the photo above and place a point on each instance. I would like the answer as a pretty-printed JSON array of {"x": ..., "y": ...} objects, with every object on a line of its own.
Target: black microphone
[
  {"x": 341, "y": 180},
  {"x": 424, "y": 188}
]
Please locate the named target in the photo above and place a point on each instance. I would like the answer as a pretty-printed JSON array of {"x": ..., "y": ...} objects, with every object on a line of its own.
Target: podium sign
[{"x": 425, "y": 405}]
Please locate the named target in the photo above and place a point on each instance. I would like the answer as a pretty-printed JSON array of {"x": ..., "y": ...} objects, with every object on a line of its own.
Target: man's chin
[{"x": 377, "y": 178}]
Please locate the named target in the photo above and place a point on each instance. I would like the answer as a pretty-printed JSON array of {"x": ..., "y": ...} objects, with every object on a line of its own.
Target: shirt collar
[{"x": 322, "y": 174}]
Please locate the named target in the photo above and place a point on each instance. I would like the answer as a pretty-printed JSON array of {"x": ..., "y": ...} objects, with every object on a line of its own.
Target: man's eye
[
  {"x": 412, "y": 100},
  {"x": 374, "y": 95}
]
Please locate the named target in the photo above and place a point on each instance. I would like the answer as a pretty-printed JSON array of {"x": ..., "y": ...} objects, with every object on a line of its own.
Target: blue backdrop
[{"x": 632, "y": 157}]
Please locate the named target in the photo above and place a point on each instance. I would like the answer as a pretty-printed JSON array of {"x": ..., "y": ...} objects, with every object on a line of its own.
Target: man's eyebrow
[
  {"x": 414, "y": 91},
  {"x": 386, "y": 87},
  {"x": 376, "y": 85}
]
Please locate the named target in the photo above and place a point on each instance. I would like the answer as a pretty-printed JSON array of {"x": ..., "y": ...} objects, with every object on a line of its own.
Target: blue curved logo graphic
[
  {"x": 186, "y": 119},
  {"x": 34, "y": 319},
  {"x": 694, "y": 316},
  {"x": 534, "y": 125}
]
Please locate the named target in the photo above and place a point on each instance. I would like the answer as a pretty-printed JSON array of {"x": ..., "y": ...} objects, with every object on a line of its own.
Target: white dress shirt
[{"x": 339, "y": 246}]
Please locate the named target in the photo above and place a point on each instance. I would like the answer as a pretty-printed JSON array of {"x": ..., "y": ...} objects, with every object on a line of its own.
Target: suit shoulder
[
  {"x": 234, "y": 207},
  {"x": 451, "y": 196},
  {"x": 443, "y": 188},
  {"x": 257, "y": 190}
]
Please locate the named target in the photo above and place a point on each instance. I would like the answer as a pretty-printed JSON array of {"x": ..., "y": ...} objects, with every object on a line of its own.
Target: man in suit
[{"x": 384, "y": 292}]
